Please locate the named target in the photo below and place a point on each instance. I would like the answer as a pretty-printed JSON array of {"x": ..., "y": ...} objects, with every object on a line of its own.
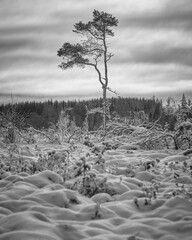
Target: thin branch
[
  {"x": 109, "y": 89},
  {"x": 96, "y": 68},
  {"x": 96, "y": 60},
  {"x": 89, "y": 31},
  {"x": 40, "y": 132},
  {"x": 109, "y": 57},
  {"x": 155, "y": 122},
  {"x": 89, "y": 64},
  {"x": 98, "y": 38}
]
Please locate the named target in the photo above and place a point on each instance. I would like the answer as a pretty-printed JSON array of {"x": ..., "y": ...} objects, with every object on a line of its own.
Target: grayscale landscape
[{"x": 95, "y": 120}]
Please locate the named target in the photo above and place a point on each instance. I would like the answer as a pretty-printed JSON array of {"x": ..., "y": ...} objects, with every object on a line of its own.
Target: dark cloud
[
  {"x": 24, "y": 30},
  {"x": 160, "y": 54},
  {"x": 174, "y": 15},
  {"x": 10, "y": 45},
  {"x": 24, "y": 61},
  {"x": 19, "y": 52}
]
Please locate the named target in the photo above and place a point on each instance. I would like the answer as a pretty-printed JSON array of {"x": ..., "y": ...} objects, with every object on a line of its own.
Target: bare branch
[
  {"x": 109, "y": 56},
  {"x": 109, "y": 89}
]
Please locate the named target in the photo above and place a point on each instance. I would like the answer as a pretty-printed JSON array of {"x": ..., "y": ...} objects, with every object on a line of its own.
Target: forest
[{"x": 42, "y": 114}]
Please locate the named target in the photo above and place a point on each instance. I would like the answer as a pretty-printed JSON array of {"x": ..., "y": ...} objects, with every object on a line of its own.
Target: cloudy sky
[{"x": 152, "y": 47}]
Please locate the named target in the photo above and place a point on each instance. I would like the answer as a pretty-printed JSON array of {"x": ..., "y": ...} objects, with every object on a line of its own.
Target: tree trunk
[
  {"x": 104, "y": 109},
  {"x": 105, "y": 84}
]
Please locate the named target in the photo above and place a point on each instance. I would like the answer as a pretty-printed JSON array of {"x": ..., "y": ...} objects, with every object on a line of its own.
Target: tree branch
[
  {"x": 89, "y": 31},
  {"x": 109, "y": 89},
  {"x": 109, "y": 57},
  {"x": 95, "y": 66}
]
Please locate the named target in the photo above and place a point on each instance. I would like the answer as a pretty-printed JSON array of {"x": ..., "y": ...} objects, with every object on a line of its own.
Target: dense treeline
[{"x": 42, "y": 114}]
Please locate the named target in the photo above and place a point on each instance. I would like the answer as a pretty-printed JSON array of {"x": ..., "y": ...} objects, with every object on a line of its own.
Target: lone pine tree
[{"x": 92, "y": 51}]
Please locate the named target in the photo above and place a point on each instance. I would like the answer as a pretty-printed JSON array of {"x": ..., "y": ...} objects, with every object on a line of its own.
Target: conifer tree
[
  {"x": 93, "y": 51},
  {"x": 183, "y": 102}
]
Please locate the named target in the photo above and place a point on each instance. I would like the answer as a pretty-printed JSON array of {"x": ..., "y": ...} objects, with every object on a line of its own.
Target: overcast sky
[{"x": 152, "y": 47}]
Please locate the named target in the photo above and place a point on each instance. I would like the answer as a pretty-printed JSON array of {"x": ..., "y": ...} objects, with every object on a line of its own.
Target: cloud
[
  {"x": 152, "y": 45},
  {"x": 162, "y": 54},
  {"x": 9, "y": 45},
  {"x": 172, "y": 15}
]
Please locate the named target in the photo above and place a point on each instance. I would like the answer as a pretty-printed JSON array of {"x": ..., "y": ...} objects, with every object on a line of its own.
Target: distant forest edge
[{"x": 42, "y": 114}]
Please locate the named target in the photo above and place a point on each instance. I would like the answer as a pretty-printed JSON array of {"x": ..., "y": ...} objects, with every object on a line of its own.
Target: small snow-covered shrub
[{"x": 66, "y": 128}]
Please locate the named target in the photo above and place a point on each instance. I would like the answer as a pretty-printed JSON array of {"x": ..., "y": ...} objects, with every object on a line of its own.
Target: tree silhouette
[{"x": 93, "y": 50}]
